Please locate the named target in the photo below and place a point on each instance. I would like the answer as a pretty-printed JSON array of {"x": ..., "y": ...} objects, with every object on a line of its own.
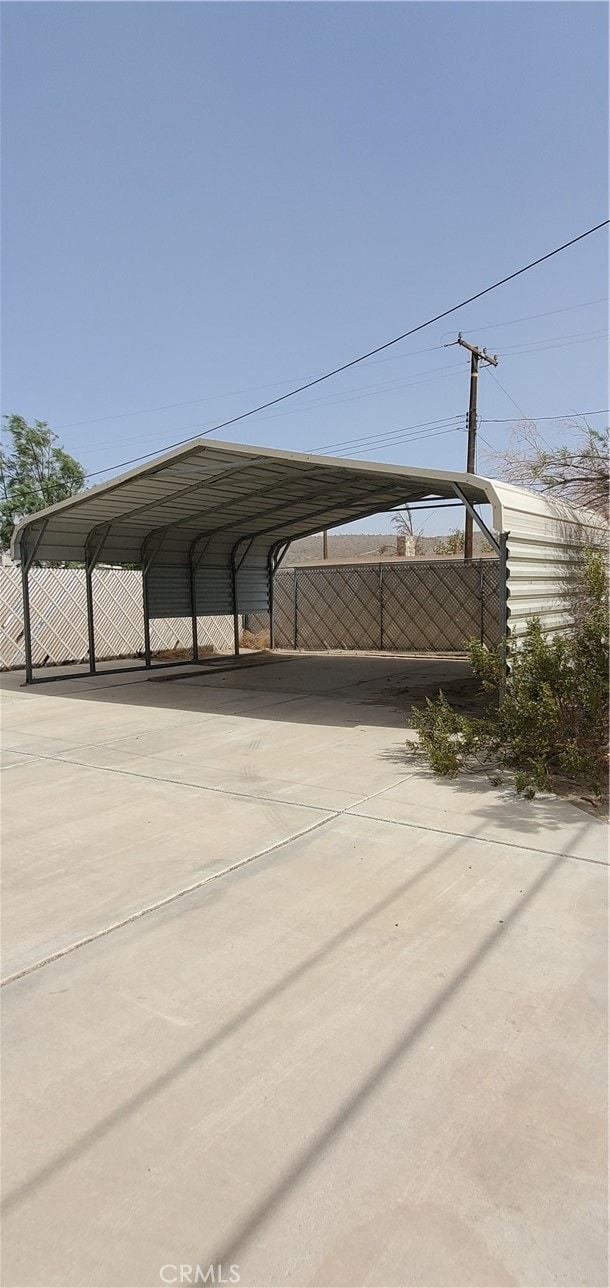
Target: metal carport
[{"x": 208, "y": 523}]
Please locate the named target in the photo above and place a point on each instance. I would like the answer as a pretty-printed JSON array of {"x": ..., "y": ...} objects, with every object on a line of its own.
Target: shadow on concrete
[
  {"x": 316, "y": 689},
  {"x": 497, "y": 801},
  {"x": 325, "y": 1135}
]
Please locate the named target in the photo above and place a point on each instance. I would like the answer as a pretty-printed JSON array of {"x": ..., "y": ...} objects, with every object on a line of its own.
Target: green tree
[
  {"x": 453, "y": 544},
  {"x": 35, "y": 472}
]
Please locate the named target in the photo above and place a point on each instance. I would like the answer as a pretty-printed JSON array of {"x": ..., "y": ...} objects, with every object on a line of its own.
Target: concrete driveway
[{"x": 281, "y": 1006}]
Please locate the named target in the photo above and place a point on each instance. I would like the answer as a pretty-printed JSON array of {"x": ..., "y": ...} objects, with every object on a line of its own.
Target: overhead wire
[
  {"x": 433, "y": 375},
  {"x": 565, "y": 415},
  {"x": 336, "y": 400},
  {"x": 366, "y": 438},
  {"x": 391, "y": 438},
  {"x": 505, "y": 391},
  {"x": 541, "y": 346},
  {"x": 231, "y": 393},
  {"x": 234, "y": 393},
  {"x": 411, "y": 438},
  {"x": 532, "y": 317},
  {"x": 233, "y": 420},
  {"x": 361, "y": 391}
]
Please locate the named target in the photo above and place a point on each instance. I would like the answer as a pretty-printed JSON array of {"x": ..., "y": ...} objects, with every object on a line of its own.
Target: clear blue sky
[{"x": 206, "y": 202}]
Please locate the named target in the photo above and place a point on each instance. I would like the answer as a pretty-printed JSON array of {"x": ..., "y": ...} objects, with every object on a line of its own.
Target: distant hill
[{"x": 363, "y": 547}]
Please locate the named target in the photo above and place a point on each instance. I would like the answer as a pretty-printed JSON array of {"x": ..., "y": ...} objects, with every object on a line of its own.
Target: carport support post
[
  {"x": 503, "y": 612},
  {"x": 27, "y": 560},
  {"x": 270, "y": 579},
  {"x": 193, "y": 608},
  {"x": 147, "y": 554},
  {"x": 235, "y": 567},
  {"x": 90, "y": 622},
  {"x": 147, "y": 652},
  {"x": 27, "y": 633},
  {"x": 90, "y": 564},
  {"x": 276, "y": 554},
  {"x": 235, "y": 604}
]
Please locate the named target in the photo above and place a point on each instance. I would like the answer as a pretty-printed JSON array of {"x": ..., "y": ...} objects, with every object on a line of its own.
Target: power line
[
  {"x": 230, "y": 393},
  {"x": 505, "y": 391},
  {"x": 539, "y": 346},
  {"x": 233, "y": 420},
  {"x": 566, "y": 415},
  {"x": 389, "y": 438},
  {"x": 487, "y": 444},
  {"x": 383, "y": 433},
  {"x": 334, "y": 400},
  {"x": 353, "y": 394},
  {"x": 516, "y": 404},
  {"x": 411, "y": 438},
  {"x": 350, "y": 395},
  {"x": 532, "y": 317},
  {"x": 550, "y": 339},
  {"x": 233, "y": 393}
]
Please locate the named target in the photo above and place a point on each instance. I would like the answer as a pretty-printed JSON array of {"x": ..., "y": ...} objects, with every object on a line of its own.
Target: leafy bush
[{"x": 552, "y": 721}]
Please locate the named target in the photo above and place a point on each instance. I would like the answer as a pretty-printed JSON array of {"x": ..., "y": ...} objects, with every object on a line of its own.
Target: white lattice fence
[{"x": 59, "y": 618}]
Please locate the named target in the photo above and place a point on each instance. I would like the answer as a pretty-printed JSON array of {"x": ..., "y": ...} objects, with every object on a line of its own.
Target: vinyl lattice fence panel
[
  {"x": 285, "y": 609},
  {"x": 338, "y": 608},
  {"x": 438, "y": 606},
  {"x": 58, "y": 613},
  {"x": 428, "y": 607}
]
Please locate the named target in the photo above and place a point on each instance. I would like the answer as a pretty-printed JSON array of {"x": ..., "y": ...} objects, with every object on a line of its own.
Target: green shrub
[{"x": 551, "y": 724}]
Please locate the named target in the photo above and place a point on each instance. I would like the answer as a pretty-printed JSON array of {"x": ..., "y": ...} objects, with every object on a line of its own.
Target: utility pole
[{"x": 476, "y": 356}]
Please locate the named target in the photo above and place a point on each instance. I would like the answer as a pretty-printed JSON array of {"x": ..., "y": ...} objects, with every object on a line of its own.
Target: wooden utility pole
[{"x": 476, "y": 356}]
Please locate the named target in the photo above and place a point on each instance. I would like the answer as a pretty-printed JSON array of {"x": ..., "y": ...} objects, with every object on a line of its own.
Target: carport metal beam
[{"x": 493, "y": 541}]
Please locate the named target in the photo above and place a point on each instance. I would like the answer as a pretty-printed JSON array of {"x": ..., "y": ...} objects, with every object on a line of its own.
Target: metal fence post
[
  {"x": 381, "y": 607},
  {"x": 296, "y": 608},
  {"x": 482, "y": 599}
]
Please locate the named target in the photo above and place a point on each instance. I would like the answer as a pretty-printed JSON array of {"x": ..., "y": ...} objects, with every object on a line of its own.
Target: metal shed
[{"x": 208, "y": 524}]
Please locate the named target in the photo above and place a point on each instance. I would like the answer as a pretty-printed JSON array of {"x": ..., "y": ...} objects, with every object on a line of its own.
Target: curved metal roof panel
[{"x": 208, "y": 486}]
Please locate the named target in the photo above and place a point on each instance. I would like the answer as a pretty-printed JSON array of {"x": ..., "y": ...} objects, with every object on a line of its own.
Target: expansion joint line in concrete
[{"x": 179, "y": 894}]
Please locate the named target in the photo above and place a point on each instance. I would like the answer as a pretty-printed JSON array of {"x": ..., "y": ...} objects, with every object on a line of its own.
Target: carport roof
[{"x": 208, "y": 487}]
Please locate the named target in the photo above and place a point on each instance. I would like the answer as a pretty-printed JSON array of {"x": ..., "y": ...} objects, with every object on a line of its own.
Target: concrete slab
[
  {"x": 471, "y": 805},
  {"x": 334, "y": 1022},
  {"x": 94, "y": 855}
]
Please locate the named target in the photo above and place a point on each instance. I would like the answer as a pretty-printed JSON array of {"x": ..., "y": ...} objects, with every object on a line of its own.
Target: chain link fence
[
  {"x": 428, "y": 607},
  {"x": 59, "y": 618}
]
